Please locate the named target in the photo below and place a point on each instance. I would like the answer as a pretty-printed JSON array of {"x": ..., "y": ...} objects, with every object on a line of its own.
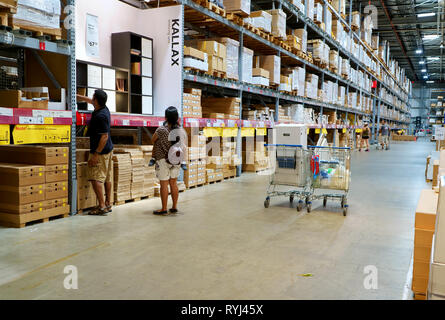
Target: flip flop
[
  {"x": 160, "y": 213},
  {"x": 98, "y": 212},
  {"x": 173, "y": 210}
]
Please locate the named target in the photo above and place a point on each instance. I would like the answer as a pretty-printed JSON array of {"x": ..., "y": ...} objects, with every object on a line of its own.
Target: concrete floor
[{"x": 226, "y": 245}]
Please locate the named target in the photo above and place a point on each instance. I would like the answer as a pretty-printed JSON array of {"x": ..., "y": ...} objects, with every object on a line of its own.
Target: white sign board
[
  {"x": 92, "y": 36},
  {"x": 440, "y": 133}
]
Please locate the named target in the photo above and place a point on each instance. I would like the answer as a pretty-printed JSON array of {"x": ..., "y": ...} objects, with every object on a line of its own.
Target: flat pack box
[
  {"x": 240, "y": 6},
  {"x": 56, "y": 190},
  {"x": 439, "y": 245},
  {"x": 25, "y": 208},
  {"x": 272, "y": 64},
  {"x": 56, "y": 173},
  {"x": 302, "y": 35},
  {"x": 425, "y": 218},
  {"x": 22, "y": 195},
  {"x": 278, "y": 23},
  {"x": 40, "y": 155},
  {"x": 12, "y": 174}
]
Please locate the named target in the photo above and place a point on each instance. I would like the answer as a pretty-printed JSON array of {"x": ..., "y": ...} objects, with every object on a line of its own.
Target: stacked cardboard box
[
  {"x": 195, "y": 59},
  {"x": 33, "y": 184},
  {"x": 242, "y": 7},
  {"x": 150, "y": 179},
  {"x": 319, "y": 50},
  {"x": 283, "y": 113},
  {"x": 230, "y": 157},
  {"x": 254, "y": 161},
  {"x": 261, "y": 20},
  {"x": 339, "y": 6},
  {"x": 122, "y": 176},
  {"x": 311, "y": 86},
  {"x": 260, "y": 77},
  {"x": 192, "y": 103},
  {"x": 214, "y": 169},
  {"x": 425, "y": 222},
  {"x": 436, "y": 286},
  {"x": 231, "y": 57},
  {"x": 86, "y": 198},
  {"x": 228, "y": 106},
  {"x": 217, "y": 53},
  {"x": 302, "y": 35},
  {"x": 258, "y": 112},
  {"x": 272, "y": 64},
  {"x": 278, "y": 23}
]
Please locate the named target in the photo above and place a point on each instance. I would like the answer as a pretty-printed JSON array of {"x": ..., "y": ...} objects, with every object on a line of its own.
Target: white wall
[{"x": 115, "y": 16}]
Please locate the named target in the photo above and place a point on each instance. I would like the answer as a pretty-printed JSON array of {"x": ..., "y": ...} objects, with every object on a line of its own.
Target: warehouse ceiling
[{"x": 415, "y": 31}]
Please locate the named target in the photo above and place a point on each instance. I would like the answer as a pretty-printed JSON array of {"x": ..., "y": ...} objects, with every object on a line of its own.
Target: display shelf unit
[
  {"x": 114, "y": 81},
  {"x": 135, "y": 53},
  {"x": 21, "y": 41}
]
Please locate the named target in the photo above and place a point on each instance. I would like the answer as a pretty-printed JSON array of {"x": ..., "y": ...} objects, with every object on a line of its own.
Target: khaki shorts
[
  {"x": 165, "y": 171},
  {"x": 102, "y": 170}
]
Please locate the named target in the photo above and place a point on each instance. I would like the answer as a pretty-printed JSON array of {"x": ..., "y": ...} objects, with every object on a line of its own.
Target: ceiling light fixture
[
  {"x": 433, "y": 58},
  {"x": 426, "y": 14},
  {"x": 423, "y": 70},
  {"x": 430, "y": 81},
  {"x": 422, "y": 62},
  {"x": 425, "y": 77},
  {"x": 419, "y": 51},
  {"x": 430, "y": 37}
]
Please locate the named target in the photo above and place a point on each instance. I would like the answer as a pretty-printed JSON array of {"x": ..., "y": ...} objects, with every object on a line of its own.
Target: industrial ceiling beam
[{"x": 398, "y": 37}]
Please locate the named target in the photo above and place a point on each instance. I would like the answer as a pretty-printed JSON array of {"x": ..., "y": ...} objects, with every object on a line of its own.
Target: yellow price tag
[
  {"x": 344, "y": 130},
  {"x": 358, "y": 130},
  {"x": 307, "y": 131},
  {"x": 324, "y": 131},
  {"x": 48, "y": 121},
  {"x": 317, "y": 130}
]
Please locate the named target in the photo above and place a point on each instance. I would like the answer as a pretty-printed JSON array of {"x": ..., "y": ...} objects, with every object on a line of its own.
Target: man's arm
[
  {"x": 154, "y": 138},
  {"x": 102, "y": 142},
  {"x": 84, "y": 99}
]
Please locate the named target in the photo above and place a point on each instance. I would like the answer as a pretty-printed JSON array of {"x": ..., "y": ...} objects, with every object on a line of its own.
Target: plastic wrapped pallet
[
  {"x": 272, "y": 64},
  {"x": 302, "y": 34},
  {"x": 38, "y": 14},
  {"x": 299, "y": 4},
  {"x": 310, "y": 8},
  {"x": 339, "y": 6},
  {"x": 328, "y": 22},
  {"x": 341, "y": 95},
  {"x": 298, "y": 84},
  {"x": 333, "y": 60},
  {"x": 278, "y": 23},
  {"x": 247, "y": 65},
  {"x": 355, "y": 19},
  {"x": 240, "y": 6},
  {"x": 261, "y": 20},
  {"x": 337, "y": 30},
  {"x": 285, "y": 84},
  {"x": 232, "y": 57},
  {"x": 318, "y": 13}
]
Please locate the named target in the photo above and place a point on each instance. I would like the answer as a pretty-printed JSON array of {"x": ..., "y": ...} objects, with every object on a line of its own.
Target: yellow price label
[
  {"x": 317, "y": 130},
  {"x": 48, "y": 120},
  {"x": 324, "y": 131},
  {"x": 344, "y": 130},
  {"x": 358, "y": 130},
  {"x": 307, "y": 131}
]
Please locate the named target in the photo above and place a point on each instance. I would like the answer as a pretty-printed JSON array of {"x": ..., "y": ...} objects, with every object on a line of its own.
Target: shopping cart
[
  {"x": 330, "y": 168},
  {"x": 289, "y": 167}
]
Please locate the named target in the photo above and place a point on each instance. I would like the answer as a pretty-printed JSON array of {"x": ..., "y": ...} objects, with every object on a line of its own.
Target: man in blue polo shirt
[{"x": 100, "y": 162}]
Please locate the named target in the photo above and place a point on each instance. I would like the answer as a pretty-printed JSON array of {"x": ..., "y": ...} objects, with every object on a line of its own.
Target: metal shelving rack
[
  {"x": 284, "y": 4},
  {"x": 18, "y": 39}
]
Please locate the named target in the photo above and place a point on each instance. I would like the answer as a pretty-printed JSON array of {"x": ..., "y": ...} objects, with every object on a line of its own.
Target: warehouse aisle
[{"x": 225, "y": 245}]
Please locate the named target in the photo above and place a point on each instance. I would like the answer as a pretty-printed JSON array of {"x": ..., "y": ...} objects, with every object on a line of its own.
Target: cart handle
[
  {"x": 283, "y": 145},
  {"x": 323, "y": 147}
]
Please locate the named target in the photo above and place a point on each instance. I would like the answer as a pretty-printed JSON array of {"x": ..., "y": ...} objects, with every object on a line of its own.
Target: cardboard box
[
  {"x": 278, "y": 23},
  {"x": 56, "y": 190},
  {"x": 273, "y": 65},
  {"x": 426, "y": 210},
  {"x": 195, "y": 53},
  {"x": 17, "y": 220},
  {"x": 22, "y": 195},
  {"x": 55, "y": 173},
  {"x": 25, "y": 208},
  {"x": 21, "y": 174},
  {"x": 14, "y": 99},
  {"x": 423, "y": 238},
  {"x": 422, "y": 254},
  {"x": 240, "y": 6},
  {"x": 40, "y": 155}
]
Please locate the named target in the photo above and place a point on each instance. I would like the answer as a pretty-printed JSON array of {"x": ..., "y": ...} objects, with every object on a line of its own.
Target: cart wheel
[
  {"x": 291, "y": 199},
  {"x": 267, "y": 203},
  {"x": 300, "y": 206},
  {"x": 308, "y": 200},
  {"x": 309, "y": 207},
  {"x": 343, "y": 202},
  {"x": 325, "y": 200},
  {"x": 345, "y": 211}
]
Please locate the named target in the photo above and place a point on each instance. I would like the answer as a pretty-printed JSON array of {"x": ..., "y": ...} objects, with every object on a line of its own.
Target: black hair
[
  {"x": 172, "y": 117},
  {"x": 101, "y": 97}
]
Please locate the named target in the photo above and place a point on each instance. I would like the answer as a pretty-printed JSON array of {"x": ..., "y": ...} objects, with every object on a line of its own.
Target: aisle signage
[{"x": 92, "y": 37}]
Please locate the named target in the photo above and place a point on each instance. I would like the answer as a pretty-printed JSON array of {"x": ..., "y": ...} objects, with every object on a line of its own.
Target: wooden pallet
[
  {"x": 229, "y": 177},
  {"x": 37, "y": 32},
  {"x": 419, "y": 296},
  {"x": 119, "y": 203},
  {"x": 22, "y": 220},
  {"x": 193, "y": 70},
  {"x": 333, "y": 70},
  {"x": 216, "y": 181},
  {"x": 197, "y": 186},
  {"x": 239, "y": 13},
  {"x": 212, "y": 7},
  {"x": 235, "y": 19},
  {"x": 7, "y": 8},
  {"x": 217, "y": 74}
]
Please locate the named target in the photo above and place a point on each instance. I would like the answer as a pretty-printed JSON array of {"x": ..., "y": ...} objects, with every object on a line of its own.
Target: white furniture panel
[
  {"x": 147, "y": 67},
  {"x": 147, "y": 105},
  {"x": 90, "y": 95},
  {"x": 111, "y": 102},
  {"x": 146, "y": 48},
  {"x": 109, "y": 79},
  {"x": 94, "y": 76},
  {"x": 147, "y": 86}
]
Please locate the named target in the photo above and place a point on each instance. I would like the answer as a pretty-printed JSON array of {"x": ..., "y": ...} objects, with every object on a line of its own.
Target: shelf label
[
  {"x": 31, "y": 120},
  {"x": 6, "y": 112},
  {"x": 126, "y": 122},
  {"x": 42, "y": 45},
  {"x": 247, "y": 124},
  {"x": 231, "y": 123},
  {"x": 193, "y": 122},
  {"x": 48, "y": 120},
  {"x": 51, "y": 114}
]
